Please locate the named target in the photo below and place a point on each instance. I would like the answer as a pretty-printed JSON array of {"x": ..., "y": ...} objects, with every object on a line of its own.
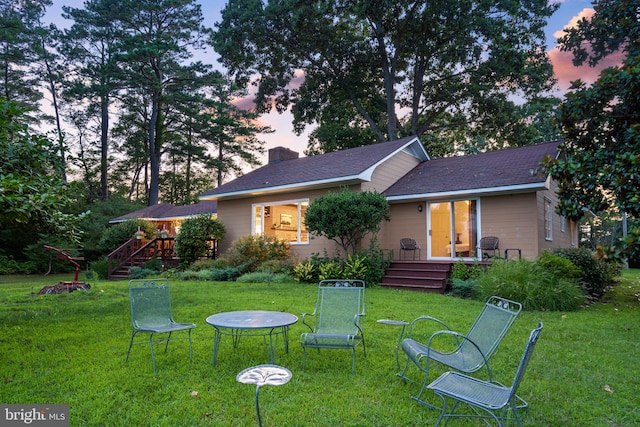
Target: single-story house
[
  {"x": 445, "y": 204},
  {"x": 169, "y": 217}
]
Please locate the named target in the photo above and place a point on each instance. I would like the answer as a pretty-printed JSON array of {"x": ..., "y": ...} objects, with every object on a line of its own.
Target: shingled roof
[
  {"x": 336, "y": 168},
  {"x": 512, "y": 169},
  {"x": 166, "y": 211}
]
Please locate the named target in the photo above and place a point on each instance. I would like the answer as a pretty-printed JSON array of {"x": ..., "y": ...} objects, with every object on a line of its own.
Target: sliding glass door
[{"x": 453, "y": 229}]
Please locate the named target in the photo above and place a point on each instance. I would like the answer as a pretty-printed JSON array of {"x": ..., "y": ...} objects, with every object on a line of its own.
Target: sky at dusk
[{"x": 568, "y": 14}]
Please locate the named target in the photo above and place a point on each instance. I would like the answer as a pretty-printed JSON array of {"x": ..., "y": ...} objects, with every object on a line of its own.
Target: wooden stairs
[{"x": 425, "y": 276}]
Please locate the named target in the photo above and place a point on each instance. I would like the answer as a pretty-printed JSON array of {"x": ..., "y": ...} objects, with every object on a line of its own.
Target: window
[
  {"x": 548, "y": 219},
  {"x": 282, "y": 220}
]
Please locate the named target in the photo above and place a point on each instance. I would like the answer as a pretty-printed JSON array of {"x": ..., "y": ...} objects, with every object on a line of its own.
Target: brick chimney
[{"x": 280, "y": 154}]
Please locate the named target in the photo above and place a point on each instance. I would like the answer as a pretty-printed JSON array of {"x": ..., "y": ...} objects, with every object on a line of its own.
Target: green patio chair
[
  {"x": 487, "y": 399},
  {"x": 467, "y": 353},
  {"x": 337, "y": 318},
  {"x": 151, "y": 313}
]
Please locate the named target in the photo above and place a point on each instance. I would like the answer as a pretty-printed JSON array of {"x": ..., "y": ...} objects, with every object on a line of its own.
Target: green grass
[{"x": 70, "y": 349}]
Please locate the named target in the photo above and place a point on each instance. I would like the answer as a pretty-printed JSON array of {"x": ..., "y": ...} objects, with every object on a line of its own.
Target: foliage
[
  {"x": 195, "y": 234},
  {"x": 221, "y": 274},
  {"x": 264, "y": 277},
  {"x": 531, "y": 285},
  {"x": 346, "y": 217},
  {"x": 355, "y": 267},
  {"x": 276, "y": 266},
  {"x": 114, "y": 237},
  {"x": 142, "y": 272},
  {"x": 599, "y": 168},
  {"x": 463, "y": 279},
  {"x": 464, "y": 288},
  {"x": 374, "y": 261},
  {"x": 100, "y": 268},
  {"x": 34, "y": 197},
  {"x": 363, "y": 61},
  {"x": 251, "y": 251},
  {"x": 208, "y": 263},
  {"x": 305, "y": 272},
  {"x": 330, "y": 270},
  {"x": 596, "y": 274}
]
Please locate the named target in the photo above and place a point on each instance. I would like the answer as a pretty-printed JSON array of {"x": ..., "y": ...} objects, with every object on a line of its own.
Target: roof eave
[
  {"x": 327, "y": 183},
  {"x": 489, "y": 191}
]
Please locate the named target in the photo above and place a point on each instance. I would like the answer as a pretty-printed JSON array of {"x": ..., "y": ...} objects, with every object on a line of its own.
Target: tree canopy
[
  {"x": 599, "y": 166},
  {"x": 397, "y": 68}
]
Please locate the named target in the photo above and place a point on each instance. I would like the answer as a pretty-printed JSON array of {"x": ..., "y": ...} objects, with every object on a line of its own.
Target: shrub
[
  {"x": 208, "y": 264},
  {"x": 100, "y": 268},
  {"x": 264, "y": 277},
  {"x": 276, "y": 266},
  {"x": 464, "y": 288},
  {"x": 305, "y": 272},
  {"x": 330, "y": 270},
  {"x": 375, "y": 262},
  {"x": 355, "y": 268},
  {"x": 195, "y": 234},
  {"x": 531, "y": 285},
  {"x": 463, "y": 279},
  {"x": 252, "y": 251},
  {"x": 596, "y": 274}
]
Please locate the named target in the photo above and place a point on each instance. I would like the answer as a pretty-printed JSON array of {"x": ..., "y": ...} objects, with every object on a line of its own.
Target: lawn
[{"x": 70, "y": 349}]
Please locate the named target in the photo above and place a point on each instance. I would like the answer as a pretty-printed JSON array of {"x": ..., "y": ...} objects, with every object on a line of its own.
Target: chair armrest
[
  {"x": 304, "y": 316},
  {"x": 419, "y": 320},
  {"x": 459, "y": 338}
]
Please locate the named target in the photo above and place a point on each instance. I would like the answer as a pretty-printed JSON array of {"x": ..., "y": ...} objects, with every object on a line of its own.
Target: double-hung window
[{"x": 548, "y": 219}]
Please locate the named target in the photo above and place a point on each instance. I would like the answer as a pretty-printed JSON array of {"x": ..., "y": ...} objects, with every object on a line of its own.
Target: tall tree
[
  {"x": 600, "y": 164},
  {"x": 432, "y": 60},
  {"x": 162, "y": 36},
  {"x": 18, "y": 49},
  {"x": 91, "y": 48}
]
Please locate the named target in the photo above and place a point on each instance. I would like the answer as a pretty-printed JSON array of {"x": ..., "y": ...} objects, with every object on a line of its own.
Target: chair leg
[
  {"x": 166, "y": 346},
  {"x": 153, "y": 359},
  {"x": 304, "y": 356},
  {"x": 133, "y": 334}
]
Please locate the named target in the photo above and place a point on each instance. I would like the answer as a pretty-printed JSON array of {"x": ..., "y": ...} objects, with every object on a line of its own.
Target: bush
[
  {"x": 252, "y": 251},
  {"x": 195, "y": 234},
  {"x": 330, "y": 270},
  {"x": 305, "y": 272},
  {"x": 264, "y": 277},
  {"x": 355, "y": 268},
  {"x": 209, "y": 264},
  {"x": 277, "y": 266},
  {"x": 213, "y": 274},
  {"x": 596, "y": 274},
  {"x": 100, "y": 268},
  {"x": 531, "y": 285}
]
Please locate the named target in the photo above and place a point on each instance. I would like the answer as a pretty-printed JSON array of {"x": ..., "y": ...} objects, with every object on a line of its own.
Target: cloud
[{"x": 562, "y": 62}]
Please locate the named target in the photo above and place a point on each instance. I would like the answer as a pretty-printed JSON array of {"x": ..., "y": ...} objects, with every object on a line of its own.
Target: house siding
[
  {"x": 235, "y": 214},
  {"x": 390, "y": 171},
  {"x": 514, "y": 220},
  {"x": 559, "y": 239},
  {"x": 406, "y": 221}
]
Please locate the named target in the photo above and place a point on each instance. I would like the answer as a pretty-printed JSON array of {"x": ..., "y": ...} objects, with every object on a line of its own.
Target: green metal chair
[
  {"x": 467, "y": 353},
  {"x": 487, "y": 399},
  {"x": 337, "y": 318},
  {"x": 151, "y": 313}
]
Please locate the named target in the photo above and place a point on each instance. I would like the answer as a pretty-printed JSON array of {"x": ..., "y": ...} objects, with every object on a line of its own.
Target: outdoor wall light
[{"x": 419, "y": 208}]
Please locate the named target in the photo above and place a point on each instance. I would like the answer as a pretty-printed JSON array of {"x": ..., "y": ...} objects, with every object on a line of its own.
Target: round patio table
[{"x": 267, "y": 324}]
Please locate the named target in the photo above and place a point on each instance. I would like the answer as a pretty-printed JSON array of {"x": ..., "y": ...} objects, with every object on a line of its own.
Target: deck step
[{"x": 426, "y": 276}]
